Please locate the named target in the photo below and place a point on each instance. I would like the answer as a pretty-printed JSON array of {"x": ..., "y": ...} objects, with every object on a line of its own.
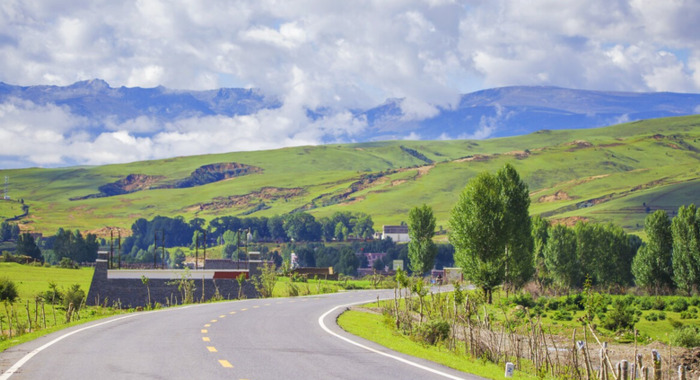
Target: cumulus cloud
[{"x": 330, "y": 56}]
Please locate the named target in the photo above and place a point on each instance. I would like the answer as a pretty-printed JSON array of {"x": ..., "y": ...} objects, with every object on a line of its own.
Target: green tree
[
  {"x": 27, "y": 246},
  {"x": 362, "y": 226},
  {"x": 477, "y": 231},
  {"x": 685, "y": 230},
  {"x": 540, "y": 234},
  {"x": 587, "y": 247},
  {"x": 302, "y": 226},
  {"x": 421, "y": 248},
  {"x": 560, "y": 256},
  {"x": 515, "y": 196},
  {"x": 8, "y": 290}
]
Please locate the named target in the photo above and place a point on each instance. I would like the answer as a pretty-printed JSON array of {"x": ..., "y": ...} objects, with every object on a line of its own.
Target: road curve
[{"x": 292, "y": 338}]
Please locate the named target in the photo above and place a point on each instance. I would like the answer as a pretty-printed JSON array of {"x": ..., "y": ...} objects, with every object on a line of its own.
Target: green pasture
[
  {"x": 620, "y": 170},
  {"x": 32, "y": 280}
]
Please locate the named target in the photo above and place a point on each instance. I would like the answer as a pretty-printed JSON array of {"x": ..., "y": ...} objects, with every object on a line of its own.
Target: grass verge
[{"x": 373, "y": 327}]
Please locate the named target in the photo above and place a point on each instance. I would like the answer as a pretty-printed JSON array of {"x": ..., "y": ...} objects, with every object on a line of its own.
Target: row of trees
[
  {"x": 229, "y": 230},
  {"x": 498, "y": 243},
  {"x": 568, "y": 257},
  {"x": 671, "y": 257},
  {"x": 65, "y": 244},
  {"x": 9, "y": 231}
]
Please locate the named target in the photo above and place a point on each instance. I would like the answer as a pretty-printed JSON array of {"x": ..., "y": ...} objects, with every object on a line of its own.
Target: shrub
[
  {"x": 523, "y": 299},
  {"x": 652, "y": 317},
  {"x": 691, "y": 313},
  {"x": 575, "y": 302},
  {"x": 553, "y": 304},
  {"x": 433, "y": 332},
  {"x": 8, "y": 290},
  {"x": 622, "y": 316},
  {"x": 678, "y": 305},
  {"x": 53, "y": 295},
  {"x": 645, "y": 303},
  {"x": 686, "y": 336},
  {"x": 658, "y": 304},
  {"x": 74, "y": 295},
  {"x": 695, "y": 301},
  {"x": 67, "y": 263},
  {"x": 562, "y": 315}
]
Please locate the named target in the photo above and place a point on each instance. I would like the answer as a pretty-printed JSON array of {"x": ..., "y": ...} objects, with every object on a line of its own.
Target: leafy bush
[
  {"x": 652, "y": 317},
  {"x": 553, "y": 304},
  {"x": 686, "y": 336},
  {"x": 678, "y": 305},
  {"x": 623, "y": 316},
  {"x": 523, "y": 299},
  {"x": 691, "y": 313},
  {"x": 574, "y": 302},
  {"x": 433, "y": 332},
  {"x": 645, "y": 303},
  {"x": 8, "y": 290},
  {"x": 658, "y": 304},
  {"x": 67, "y": 263},
  {"x": 695, "y": 301},
  {"x": 74, "y": 295},
  {"x": 562, "y": 315},
  {"x": 53, "y": 295}
]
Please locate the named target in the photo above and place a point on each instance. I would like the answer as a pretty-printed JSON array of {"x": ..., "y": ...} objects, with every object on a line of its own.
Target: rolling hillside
[{"x": 615, "y": 174}]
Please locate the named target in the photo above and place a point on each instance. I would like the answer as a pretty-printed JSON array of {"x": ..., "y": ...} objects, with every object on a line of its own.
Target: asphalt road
[{"x": 278, "y": 338}]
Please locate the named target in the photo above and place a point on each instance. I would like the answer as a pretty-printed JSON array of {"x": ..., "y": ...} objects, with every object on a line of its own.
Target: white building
[{"x": 398, "y": 234}]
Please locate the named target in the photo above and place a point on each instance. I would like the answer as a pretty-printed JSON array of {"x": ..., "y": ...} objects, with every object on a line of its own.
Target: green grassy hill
[{"x": 615, "y": 174}]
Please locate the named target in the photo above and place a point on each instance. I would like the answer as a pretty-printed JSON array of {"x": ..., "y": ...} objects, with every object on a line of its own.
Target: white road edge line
[
  {"x": 405, "y": 361},
  {"x": 12, "y": 370},
  {"x": 31, "y": 354}
]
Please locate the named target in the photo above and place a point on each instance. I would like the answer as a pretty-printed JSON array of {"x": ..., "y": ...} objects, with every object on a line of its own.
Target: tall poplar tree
[
  {"x": 490, "y": 229},
  {"x": 515, "y": 196},
  {"x": 421, "y": 248},
  {"x": 652, "y": 266},
  {"x": 685, "y": 230}
]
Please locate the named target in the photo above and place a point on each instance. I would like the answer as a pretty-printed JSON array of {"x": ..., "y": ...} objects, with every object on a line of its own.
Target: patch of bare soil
[
  {"x": 558, "y": 196},
  {"x": 577, "y": 145},
  {"x": 129, "y": 184},
  {"x": 570, "y": 221},
  {"x": 519, "y": 154},
  {"x": 476, "y": 157},
  {"x": 248, "y": 200},
  {"x": 107, "y": 232}
]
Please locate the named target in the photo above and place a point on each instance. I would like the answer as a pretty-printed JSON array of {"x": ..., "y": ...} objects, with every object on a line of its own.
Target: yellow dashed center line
[
  {"x": 222, "y": 316},
  {"x": 255, "y": 307},
  {"x": 211, "y": 349},
  {"x": 206, "y": 339},
  {"x": 225, "y": 364},
  {"x": 207, "y": 325},
  {"x": 213, "y": 321},
  {"x": 244, "y": 309},
  {"x": 204, "y": 331},
  {"x": 268, "y": 304},
  {"x": 232, "y": 313}
]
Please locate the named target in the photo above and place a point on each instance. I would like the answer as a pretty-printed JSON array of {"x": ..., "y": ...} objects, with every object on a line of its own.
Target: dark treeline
[
  {"x": 66, "y": 247},
  {"x": 569, "y": 256},
  {"x": 299, "y": 226},
  {"x": 9, "y": 231}
]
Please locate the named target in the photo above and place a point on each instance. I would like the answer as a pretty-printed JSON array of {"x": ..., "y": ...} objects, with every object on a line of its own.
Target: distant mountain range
[{"x": 499, "y": 112}]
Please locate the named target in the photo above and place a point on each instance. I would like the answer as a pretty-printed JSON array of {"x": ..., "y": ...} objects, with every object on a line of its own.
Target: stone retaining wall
[{"x": 132, "y": 292}]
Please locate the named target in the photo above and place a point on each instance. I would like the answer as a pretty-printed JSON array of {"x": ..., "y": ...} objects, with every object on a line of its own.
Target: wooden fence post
[{"x": 656, "y": 359}]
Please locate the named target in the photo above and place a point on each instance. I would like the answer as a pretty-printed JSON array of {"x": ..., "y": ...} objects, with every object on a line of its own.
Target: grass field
[
  {"x": 32, "y": 280},
  {"x": 373, "y": 327},
  {"x": 615, "y": 174}
]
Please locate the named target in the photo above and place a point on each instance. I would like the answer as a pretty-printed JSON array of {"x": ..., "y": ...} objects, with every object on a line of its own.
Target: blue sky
[{"x": 333, "y": 54}]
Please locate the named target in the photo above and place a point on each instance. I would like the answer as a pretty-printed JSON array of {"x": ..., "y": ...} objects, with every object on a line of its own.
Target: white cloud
[{"x": 330, "y": 56}]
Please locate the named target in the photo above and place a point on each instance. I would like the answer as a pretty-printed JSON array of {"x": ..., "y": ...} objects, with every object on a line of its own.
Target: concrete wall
[{"x": 112, "y": 287}]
